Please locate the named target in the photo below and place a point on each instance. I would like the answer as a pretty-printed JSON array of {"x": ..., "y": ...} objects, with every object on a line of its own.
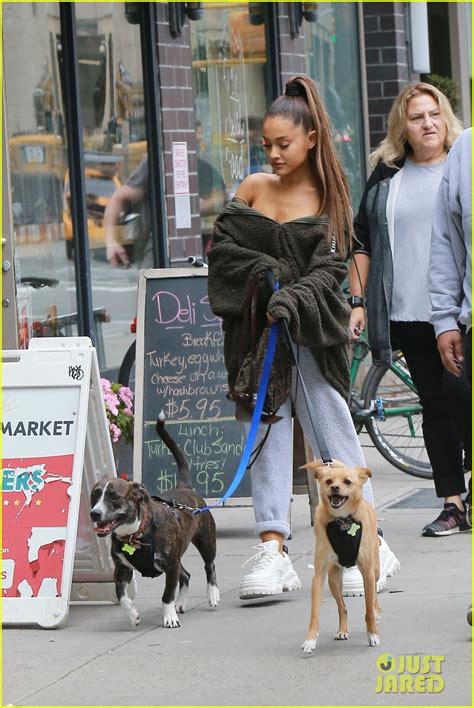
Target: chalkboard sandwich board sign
[{"x": 180, "y": 371}]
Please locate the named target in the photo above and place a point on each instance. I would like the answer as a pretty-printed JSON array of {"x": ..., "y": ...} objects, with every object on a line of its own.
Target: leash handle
[{"x": 318, "y": 434}]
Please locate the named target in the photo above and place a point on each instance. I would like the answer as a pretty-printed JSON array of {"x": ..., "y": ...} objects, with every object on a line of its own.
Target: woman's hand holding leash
[{"x": 270, "y": 319}]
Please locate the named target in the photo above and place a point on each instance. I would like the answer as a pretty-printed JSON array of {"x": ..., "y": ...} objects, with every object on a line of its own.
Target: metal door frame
[{"x": 9, "y": 311}]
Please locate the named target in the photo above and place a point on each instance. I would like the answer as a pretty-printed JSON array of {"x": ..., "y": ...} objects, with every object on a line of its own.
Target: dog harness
[
  {"x": 344, "y": 534},
  {"x": 132, "y": 543}
]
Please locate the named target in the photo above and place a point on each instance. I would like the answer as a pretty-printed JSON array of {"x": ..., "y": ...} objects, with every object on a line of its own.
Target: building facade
[{"x": 127, "y": 126}]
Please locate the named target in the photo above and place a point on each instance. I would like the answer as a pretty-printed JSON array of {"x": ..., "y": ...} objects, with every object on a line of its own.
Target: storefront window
[
  {"x": 114, "y": 144},
  {"x": 230, "y": 96},
  {"x": 332, "y": 55},
  {"x": 38, "y": 167}
]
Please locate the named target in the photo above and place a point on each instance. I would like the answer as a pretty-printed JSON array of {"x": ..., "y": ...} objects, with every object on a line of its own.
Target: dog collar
[
  {"x": 344, "y": 534},
  {"x": 130, "y": 542}
]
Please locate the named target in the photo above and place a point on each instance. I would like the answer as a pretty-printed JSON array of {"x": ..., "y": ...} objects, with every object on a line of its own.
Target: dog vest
[{"x": 344, "y": 535}]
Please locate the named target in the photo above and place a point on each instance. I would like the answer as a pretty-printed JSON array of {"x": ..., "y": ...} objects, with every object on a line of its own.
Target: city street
[{"x": 249, "y": 654}]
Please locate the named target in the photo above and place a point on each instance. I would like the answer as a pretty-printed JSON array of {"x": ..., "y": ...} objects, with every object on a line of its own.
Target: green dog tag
[
  {"x": 353, "y": 529},
  {"x": 128, "y": 549}
]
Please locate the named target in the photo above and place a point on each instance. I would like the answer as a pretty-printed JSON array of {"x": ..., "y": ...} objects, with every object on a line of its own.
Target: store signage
[
  {"x": 182, "y": 198},
  {"x": 46, "y": 394}
]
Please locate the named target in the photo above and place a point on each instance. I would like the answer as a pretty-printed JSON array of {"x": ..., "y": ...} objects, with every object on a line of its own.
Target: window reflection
[
  {"x": 230, "y": 92},
  {"x": 115, "y": 169},
  {"x": 115, "y": 175},
  {"x": 38, "y": 165},
  {"x": 332, "y": 53}
]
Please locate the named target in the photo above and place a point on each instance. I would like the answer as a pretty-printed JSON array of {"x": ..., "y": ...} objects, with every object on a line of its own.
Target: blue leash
[{"x": 261, "y": 394}]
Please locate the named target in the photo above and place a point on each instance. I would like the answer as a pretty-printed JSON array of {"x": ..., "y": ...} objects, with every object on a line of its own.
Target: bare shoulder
[{"x": 253, "y": 185}]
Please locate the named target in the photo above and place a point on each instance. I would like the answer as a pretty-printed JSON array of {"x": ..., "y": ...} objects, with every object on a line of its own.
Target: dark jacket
[
  {"x": 372, "y": 238},
  {"x": 246, "y": 243}
]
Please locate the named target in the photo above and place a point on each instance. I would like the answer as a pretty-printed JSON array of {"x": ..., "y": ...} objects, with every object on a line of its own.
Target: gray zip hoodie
[{"x": 450, "y": 279}]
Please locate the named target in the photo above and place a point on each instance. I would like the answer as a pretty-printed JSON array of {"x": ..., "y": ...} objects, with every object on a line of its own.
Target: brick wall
[
  {"x": 177, "y": 114},
  {"x": 292, "y": 53},
  {"x": 387, "y": 62}
]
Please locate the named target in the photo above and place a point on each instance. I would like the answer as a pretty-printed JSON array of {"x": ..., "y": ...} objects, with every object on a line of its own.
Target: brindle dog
[{"x": 151, "y": 536}]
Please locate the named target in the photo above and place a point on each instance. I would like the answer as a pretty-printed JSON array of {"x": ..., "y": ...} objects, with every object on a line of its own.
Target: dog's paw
[
  {"x": 134, "y": 618},
  {"x": 342, "y": 635},
  {"x": 171, "y": 623},
  {"x": 132, "y": 612},
  {"x": 374, "y": 639},
  {"x": 309, "y": 645},
  {"x": 213, "y": 595},
  {"x": 170, "y": 618}
]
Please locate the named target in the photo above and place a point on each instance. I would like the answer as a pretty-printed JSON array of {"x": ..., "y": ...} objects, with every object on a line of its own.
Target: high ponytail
[{"x": 302, "y": 105}]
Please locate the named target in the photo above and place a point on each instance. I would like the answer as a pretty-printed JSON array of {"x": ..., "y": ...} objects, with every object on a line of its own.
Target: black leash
[
  {"x": 318, "y": 433},
  {"x": 174, "y": 504}
]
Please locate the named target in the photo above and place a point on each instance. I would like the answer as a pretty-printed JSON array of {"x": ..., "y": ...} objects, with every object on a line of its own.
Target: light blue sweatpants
[{"x": 272, "y": 473}]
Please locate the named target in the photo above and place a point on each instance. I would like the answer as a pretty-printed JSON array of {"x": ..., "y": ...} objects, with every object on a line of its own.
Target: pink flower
[
  {"x": 126, "y": 395},
  {"x": 112, "y": 403},
  {"x": 106, "y": 385},
  {"x": 118, "y": 401},
  {"x": 115, "y": 432}
]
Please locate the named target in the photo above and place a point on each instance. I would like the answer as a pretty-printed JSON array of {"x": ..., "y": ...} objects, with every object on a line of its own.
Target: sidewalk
[{"x": 249, "y": 653}]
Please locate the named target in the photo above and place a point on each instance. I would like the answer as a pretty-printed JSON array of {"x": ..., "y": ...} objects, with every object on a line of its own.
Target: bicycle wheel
[
  {"x": 126, "y": 375},
  {"x": 398, "y": 438}
]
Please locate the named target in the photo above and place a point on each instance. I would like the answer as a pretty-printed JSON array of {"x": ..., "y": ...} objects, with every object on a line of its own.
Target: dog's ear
[
  {"x": 363, "y": 473},
  {"x": 139, "y": 490},
  {"x": 316, "y": 467}
]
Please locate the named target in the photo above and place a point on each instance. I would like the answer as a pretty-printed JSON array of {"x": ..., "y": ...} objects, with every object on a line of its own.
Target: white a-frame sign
[{"x": 50, "y": 392}]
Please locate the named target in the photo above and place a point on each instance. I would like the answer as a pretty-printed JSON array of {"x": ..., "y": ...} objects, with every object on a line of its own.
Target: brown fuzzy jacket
[{"x": 247, "y": 242}]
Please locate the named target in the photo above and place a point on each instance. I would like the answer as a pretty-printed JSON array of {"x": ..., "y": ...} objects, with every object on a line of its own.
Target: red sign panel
[{"x": 35, "y": 505}]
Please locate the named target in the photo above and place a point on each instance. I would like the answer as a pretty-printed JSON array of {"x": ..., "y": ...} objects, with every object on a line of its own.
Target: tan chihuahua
[{"x": 346, "y": 534}]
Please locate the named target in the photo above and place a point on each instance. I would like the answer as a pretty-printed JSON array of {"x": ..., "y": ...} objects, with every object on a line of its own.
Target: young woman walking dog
[{"x": 296, "y": 222}]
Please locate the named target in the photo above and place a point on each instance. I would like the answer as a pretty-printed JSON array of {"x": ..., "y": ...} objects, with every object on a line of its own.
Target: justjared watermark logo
[{"x": 409, "y": 673}]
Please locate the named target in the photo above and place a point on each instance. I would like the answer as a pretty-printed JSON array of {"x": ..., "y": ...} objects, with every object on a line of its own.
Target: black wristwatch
[{"x": 356, "y": 301}]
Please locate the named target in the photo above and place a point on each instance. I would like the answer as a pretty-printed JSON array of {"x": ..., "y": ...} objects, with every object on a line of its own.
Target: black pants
[{"x": 446, "y": 405}]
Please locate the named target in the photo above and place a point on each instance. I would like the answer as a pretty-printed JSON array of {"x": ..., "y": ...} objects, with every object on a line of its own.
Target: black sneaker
[{"x": 451, "y": 520}]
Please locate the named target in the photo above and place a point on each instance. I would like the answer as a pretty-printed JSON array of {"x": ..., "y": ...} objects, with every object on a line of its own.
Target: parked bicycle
[{"x": 388, "y": 406}]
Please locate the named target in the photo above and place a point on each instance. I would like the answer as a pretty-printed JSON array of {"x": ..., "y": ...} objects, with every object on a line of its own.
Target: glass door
[
  {"x": 46, "y": 301},
  {"x": 116, "y": 171}
]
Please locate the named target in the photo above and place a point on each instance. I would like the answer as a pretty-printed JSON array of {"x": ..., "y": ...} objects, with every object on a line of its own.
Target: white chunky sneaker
[
  {"x": 352, "y": 583},
  {"x": 271, "y": 573}
]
